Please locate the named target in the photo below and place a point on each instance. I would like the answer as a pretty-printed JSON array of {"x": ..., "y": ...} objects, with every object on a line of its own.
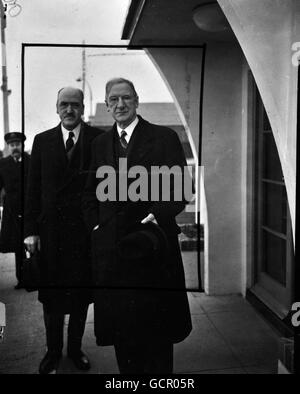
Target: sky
[{"x": 47, "y": 69}]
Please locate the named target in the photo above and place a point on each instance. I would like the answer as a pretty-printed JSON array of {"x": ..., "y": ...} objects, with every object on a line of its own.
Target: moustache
[{"x": 16, "y": 151}]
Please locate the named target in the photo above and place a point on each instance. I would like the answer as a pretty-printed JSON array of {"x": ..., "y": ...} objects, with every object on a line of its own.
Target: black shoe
[
  {"x": 19, "y": 286},
  {"x": 80, "y": 360},
  {"x": 49, "y": 364}
]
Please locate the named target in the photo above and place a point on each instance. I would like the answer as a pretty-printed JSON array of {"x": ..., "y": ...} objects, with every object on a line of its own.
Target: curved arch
[
  {"x": 266, "y": 39},
  {"x": 189, "y": 124}
]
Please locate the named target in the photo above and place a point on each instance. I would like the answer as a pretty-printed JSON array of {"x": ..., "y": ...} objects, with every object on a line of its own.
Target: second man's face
[
  {"x": 15, "y": 149},
  {"x": 70, "y": 108},
  {"x": 122, "y": 104}
]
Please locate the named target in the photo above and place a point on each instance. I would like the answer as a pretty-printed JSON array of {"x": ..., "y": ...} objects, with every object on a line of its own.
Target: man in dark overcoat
[
  {"x": 54, "y": 225},
  {"x": 13, "y": 179},
  {"x": 142, "y": 315}
]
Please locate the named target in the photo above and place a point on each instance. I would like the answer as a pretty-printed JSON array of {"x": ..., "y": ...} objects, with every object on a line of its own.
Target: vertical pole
[
  {"x": 83, "y": 71},
  {"x": 83, "y": 67},
  {"x": 91, "y": 97},
  {"x": 4, "y": 89},
  {"x": 23, "y": 186},
  {"x": 199, "y": 246}
]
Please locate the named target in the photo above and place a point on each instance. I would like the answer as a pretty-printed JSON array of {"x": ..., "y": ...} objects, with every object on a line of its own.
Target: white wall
[
  {"x": 222, "y": 138},
  {"x": 222, "y": 123},
  {"x": 266, "y": 30}
]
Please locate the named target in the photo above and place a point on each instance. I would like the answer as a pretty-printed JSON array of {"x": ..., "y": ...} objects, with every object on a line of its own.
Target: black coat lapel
[
  {"x": 58, "y": 148},
  {"x": 141, "y": 143},
  {"x": 82, "y": 150},
  {"x": 110, "y": 154},
  {"x": 85, "y": 146},
  {"x": 107, "y": 209},
  {"x": 76, "y": 159}
]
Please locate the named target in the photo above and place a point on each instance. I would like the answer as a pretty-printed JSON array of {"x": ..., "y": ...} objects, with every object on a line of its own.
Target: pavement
[{"x": 228, "y": 336}]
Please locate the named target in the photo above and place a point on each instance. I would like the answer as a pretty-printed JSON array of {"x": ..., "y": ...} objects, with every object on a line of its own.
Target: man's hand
[
  {"x": 149, "y": 218},
  {"x": 32, "y": 243}
]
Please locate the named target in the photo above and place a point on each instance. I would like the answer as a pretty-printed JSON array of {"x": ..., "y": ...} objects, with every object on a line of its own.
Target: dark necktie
[
  {"x": 123, "y": 141},
  {"x": 70, "y": 141}
]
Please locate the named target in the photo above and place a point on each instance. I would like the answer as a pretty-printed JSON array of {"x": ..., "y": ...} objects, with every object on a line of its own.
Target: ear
[
  {"x": 137, "y": 101},
  {"x": 107, "y": 106}
]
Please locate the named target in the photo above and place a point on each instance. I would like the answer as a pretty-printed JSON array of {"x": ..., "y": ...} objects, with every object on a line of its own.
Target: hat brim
[
  {"x": 144, "y": 241},
  {"x": 14, "y": 140},
  {"x": 13, "y": 137}
]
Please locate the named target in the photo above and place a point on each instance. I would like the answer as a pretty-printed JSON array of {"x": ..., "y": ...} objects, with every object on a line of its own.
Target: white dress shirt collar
[
  {"x": 129, "y": 129},
  {"x": 76, "y": 132}
]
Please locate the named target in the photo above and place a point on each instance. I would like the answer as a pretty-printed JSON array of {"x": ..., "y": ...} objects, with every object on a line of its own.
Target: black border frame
[{"x": 134, "y": 47}]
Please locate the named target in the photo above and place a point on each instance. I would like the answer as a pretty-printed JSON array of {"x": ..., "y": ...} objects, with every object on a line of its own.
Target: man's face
[
  {"x": 122, "y": 104},
  {"x": 70, "y": 107},
  {"x": 15, "y": 149}
]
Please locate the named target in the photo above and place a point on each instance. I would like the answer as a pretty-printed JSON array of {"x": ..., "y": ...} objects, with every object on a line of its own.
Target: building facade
[{"x": 231, "y": 68}]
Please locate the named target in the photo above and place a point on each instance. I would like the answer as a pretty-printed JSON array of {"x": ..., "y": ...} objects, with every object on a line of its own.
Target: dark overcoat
[
  {"x": 53, "y": 211},
  {"x": 13, "y": 178},
  {"x": 128, "y": 305}
]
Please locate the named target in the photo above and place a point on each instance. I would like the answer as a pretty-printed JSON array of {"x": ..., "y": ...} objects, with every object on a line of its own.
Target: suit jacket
[
  {"x": 150, "y": 145},
  {"x": 122, "y": 312},
  {"x": 53, "y": 211},
  {"x": 13, "y": 179}
]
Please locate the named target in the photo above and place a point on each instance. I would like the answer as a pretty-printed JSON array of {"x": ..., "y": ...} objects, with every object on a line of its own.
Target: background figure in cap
[
  {"x": 141, "y": 305},
  {"x": 12, "y": 169}
]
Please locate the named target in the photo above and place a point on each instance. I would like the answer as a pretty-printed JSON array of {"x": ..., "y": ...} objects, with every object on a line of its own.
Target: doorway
[{"x": 273, "y": 242}]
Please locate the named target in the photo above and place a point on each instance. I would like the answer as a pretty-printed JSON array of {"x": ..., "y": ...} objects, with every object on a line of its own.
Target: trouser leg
[
  {"x": 129, "y": 359},
  {"x": 159, "y": 358},
  {"x": 76, "y": 327},
  {"x": 145, "y": 358},
  {"x": 54, "y": 324}
]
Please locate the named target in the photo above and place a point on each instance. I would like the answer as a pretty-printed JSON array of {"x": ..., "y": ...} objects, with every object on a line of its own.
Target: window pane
[
  {"x": 266, "y": 123},
  {"x": 271, "y": 164},
  {"x": 274, "y": 257},
  {"x": 274, "y": 207}
]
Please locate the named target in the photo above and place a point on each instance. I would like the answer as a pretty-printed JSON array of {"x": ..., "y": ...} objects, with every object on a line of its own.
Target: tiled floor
[{"x": 228, "y": 336}]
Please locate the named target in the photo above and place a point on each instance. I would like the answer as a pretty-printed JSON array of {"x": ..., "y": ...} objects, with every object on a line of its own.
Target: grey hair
[
  {"x": 116, "y": 81},
  {"x": 77, "y": 89}
]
